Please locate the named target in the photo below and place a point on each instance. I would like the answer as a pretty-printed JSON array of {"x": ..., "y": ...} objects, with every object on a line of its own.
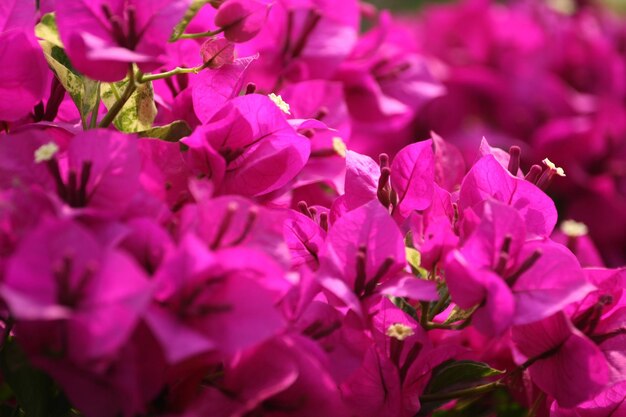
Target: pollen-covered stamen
[
  {"x": 253, "y": 214},
  {"x": 46, "y": 152},
  {"x": 503, "y": 256},
  {"x": 382, "y": 270},
  {"x": 588, "y": 320},
  {"x": 280, "y": 103},
  {"x": 525, "y": 266},
  {"x": 359, "y": 282},
  {"x": 250, "y": 88},
  {"x": 546, "y": 178},
  {"x": 573, "y": 229},
  {"x": 533, "y": 174},
  {"x": 514, "y": 159},
  {"x": 399, "y": 331},
  {"x": 224, "y": 225}
]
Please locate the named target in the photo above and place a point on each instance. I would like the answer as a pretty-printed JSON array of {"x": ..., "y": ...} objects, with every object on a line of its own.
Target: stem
[
  {"x": 94, "y": 112},
  {"x": 537, "y": 404},
  {"x": 424, "y": 314},
  {"x": 119, "y": 104},
  {"x": 178, "y": 70},
  {"x": 200, "y": 35},
  {"x": 480, "y": 389},
  {"x": 438, "y": 307}
]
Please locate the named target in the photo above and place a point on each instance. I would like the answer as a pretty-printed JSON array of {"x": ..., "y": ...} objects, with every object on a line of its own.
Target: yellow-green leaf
[{"x": 138, "y": 113}]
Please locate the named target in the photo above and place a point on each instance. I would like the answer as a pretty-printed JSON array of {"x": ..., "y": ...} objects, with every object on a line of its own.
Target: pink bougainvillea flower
[
  {"x": 232, "y": 221},
  {"x": 97, "y": 172},
  {"x": 204, "y": 302},
  {"x": 261, "y": 151},
  {"x": 512, "y": 280},
  {"x": 364, "y": 248},
  {"x": 104, "y": 37},
  {"x": 302, "y": 41},
  {"x": 561, "y": 360},
  {"x": 285, "y": 376},
  {"x": 489, "y": 179},
  {"x": 60, "y": 272}
]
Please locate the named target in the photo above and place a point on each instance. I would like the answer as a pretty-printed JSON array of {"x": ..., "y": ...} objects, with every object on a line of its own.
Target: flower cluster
[
  {"x": 550, "y": 81},
  {"x": 191, "y": 224}
]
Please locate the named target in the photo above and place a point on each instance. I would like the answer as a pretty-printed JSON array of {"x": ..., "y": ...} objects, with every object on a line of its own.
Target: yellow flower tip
[
  {"x": 573, "y": 228},
  {"x": 278, "y": 100},
  {"x": 339, "y": 146},
  {"x": 46, "y": 152},
  {"x": 557, "y": 170},
  {"x": 399, "y": 331}
]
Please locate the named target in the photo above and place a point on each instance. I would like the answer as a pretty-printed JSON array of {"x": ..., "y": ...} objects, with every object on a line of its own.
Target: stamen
[
  {"x": 503, "y": 256},
  {"x": 383, "y": 191},
  {"x": 339, "y": 146},
  {"x": 321, "y": 113},
  {"x": 324, "y": 221},
  {"x": 223, "y": 227},
  {"x": 46, "y": 152},
  {"x": 117, "y": 26},
  {"x": 311, "y": 22},
  {"x": 132, "y": 38},
  {"x": 53, "y": 167},
  {"x": 253, "y": 213},
  {"x": 514, "y": 159},
  {"x": 533, "y": 174},
  {"x": 399, "y": 331},
  {"x": 304, "y": 209},
  {"x": 526, "y": 265},
  {"x": 278, "y": 100},
  {"x": 546, "y": 178},
  {"x": 382, "y": 270},
  {"x": 313, "y": 212},
  {"x": 359, "y": 282},
  {"x": 250, "y": 88},
  {"x": 84, "y": 179},
  {"x": 72, "y": 189}
]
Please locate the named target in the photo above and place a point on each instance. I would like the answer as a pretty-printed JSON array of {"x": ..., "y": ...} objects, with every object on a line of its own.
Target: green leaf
[
  {"x": 138, "y": 112},
  {"x": 403, "y": 305},
  {"x": 413, "y": 257},
  {"x": 179, "y": 29},
  {"x": 455, "y": 375},
  {"x": 34, "y": 390},
  {"x": 47, "y": 30},
  {"x": 172, "y": 132},
  {"x": 82, "y": 90},
  {"x": 458, "y": 314}
]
